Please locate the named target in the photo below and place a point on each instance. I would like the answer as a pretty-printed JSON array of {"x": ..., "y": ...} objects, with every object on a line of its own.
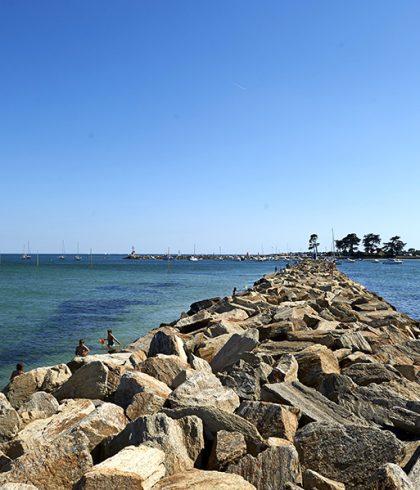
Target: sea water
[{"x": 46, "y": 308}]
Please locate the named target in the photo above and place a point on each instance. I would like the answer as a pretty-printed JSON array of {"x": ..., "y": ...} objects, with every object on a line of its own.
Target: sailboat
[
  {"x": 77, "y": 257},
  {"x": 26, "y": 256},
  {"x": 62, "y": 257}
]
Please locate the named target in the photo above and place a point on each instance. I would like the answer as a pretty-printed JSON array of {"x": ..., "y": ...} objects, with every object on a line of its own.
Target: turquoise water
[{"x": 44, "y": 310}]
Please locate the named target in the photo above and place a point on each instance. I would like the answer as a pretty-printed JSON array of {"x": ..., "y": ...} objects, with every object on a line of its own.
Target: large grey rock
[
  {"x": 286, "y": 369},
  {"x": 233, "y": 349},
  {"x": 203, "y": 480},
  {"x": 167, "y": 343},
  {"x": 40, "y": 405},
  {"x": 134, "y": 382},
  {"x": 46, "y": 379},
  {"x": 9, "y": 420},
  {"x": 365, "y": 374},
  {"x": 272, "y": 468},
  {"x": 144, "y": 403},
  {"x": 90, "y": 381},
  {"x": 271, "y": 419},
  {"x": 314, "y": 362},
  {"x": 201, "y": 389},
  {"x": 348, "y": 454},
  {"x": 133, "y": 468},
  {"x": 164, "y": 433},
  {"x": 313, "y": 406}
]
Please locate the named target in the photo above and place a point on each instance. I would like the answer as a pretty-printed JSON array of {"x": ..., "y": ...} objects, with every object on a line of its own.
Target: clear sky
[{"x": 225, "y": 123}]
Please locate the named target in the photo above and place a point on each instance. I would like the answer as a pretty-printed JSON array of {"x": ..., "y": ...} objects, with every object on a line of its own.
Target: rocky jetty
[{"x": 307, "y": 380}]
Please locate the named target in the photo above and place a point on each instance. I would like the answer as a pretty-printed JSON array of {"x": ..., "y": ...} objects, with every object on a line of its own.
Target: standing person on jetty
[
  {"x": 111, "y": 339},
  {"x": 18, "y": 371},
  {"x": 82, "y": 349}
]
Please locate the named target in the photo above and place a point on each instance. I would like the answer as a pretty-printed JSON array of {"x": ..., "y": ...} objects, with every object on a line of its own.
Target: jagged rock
[
  {"x": 313, "y": 405},
  {"x": 209, "y": 347},
  {"x": 223, "y": 329},
  {"x": 313, "y": 480},
  {"x": 9, "y": 420},
  {"x": 365, "y": 374},
  {"x": 90, "y": 381},
  {"x": 233, "y": 349},
  {"x": 348, "y": 454},
  {"x": 167, "y": 343},
  {"x": 203, "y": 480},
  {"x": 204, "y": 304},
  {"x": 215, "y": 420},
  {"x": 314, "y": 362},
  {"x": 4, "y": 462},
  {"x": 227, "y": 448},
  {"x": 391, "y": 477},
  {"x": 409, "y": 371},
  {"x": 202, "y": 389},
  {"x": 57, "y": 465},
  {"x": 144, "y": 404},
  {"x": 414, "y": 470},
  {"x": 286, "y": 369},
  {"x": 118, "y": 359},
  {"x": 271, "y": 419},
  {"x": 46, "y": 379},
  {"x": 354, "y": 341},
  {"x": 199, "y": 364},
  {"x": 164, "y": 368},
  {"x": 137, "y": 357},
  {"x": 193, "y": 323},
  {"x": 134, "y": 382},
  {"x": 192, "y": 428},
  {"x": 333, "y": 385},
  {"x": 275, "y": 331},
  {"x": 356, "y": 358},
  {"x": 272, "y": 468},
  {"x": 164, "y": 433},
  {"x": 133, "y": 468},
  {"x": 246, "y": 377},
  {"x": 40, "y": 405}
]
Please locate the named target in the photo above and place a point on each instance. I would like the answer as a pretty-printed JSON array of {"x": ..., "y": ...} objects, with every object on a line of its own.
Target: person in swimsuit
[
  {"x": 82, "y": 349},
  {"x": 111, "y": 339},
  {"x": 18, "y": 371}
]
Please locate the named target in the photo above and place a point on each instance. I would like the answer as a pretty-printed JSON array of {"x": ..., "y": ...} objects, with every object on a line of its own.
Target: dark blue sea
[{"x": 46, "y": 308}]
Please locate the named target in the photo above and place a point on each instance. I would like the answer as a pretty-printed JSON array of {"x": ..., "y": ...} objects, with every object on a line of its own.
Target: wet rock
[
  {"x": 227, "y": 448},
  {"x": 40, "y": 405},
  {"x": 313, "y": 480},
  {"x": 136, "y": 468},
  {"x": 391, "y": 477},
  {"x": 9, "y": 420},
  {"x": 203, "y": 480},
  {"x": 233, "y": 349},
  {"x": 203, "y": 389},
  {"x": 162, "y": 432},
  {"x": 144, "y": 404},
  {"x": 46, "y": 379},
  {"x": 314, "y": 362},
  {"x": 90, "y": 381},
  {"x": 272, "y": 468},
  {"x": 313, "y": 405},
  {"x": 335, "y": 452},
  {"x": 164, "y": 368},
  {"x": 271, "y": 419},
  {"x": 167, "y": 343},
  {"x": 137, "y": 382}
]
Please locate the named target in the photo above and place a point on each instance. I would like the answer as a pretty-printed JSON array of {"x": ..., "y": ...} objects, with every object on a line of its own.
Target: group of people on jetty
[{"x": 81, "y": 350}]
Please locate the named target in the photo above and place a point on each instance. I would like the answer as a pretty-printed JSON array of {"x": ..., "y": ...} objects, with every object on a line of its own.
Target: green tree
[
  {"x": 394, "y": 247},
  {"x": 349, "y": 243},
  {"x": 340, "y": 246},
  {"x": 371, "y": 243},
  {"x": 313, "y": 243}
]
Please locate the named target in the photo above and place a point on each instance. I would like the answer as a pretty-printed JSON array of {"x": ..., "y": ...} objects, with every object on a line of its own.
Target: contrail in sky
[{"x": 239, "y": 85}]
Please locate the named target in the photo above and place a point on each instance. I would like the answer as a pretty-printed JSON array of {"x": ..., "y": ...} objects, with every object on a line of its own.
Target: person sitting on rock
[
  {"x": 82, "y": 349},
  {"x": 111, "y": 339},
  {"x": 18, "y": 371}
]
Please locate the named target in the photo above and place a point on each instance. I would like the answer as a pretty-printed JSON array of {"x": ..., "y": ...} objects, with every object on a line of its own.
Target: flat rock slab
[
  {"x": 348, "y": 454},
  {"x": 314, "y": 406},
  {"x": 204, "y": 480}
]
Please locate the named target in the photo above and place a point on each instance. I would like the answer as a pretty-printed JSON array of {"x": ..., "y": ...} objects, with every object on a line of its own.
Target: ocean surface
[{"x": 46, "y": 308}]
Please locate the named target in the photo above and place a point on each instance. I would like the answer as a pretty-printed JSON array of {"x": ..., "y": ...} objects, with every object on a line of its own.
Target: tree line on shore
[{"x": 349, "y": 246}]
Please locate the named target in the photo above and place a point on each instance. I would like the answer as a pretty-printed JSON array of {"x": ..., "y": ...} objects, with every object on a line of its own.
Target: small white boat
[
  {"x": 351, "y": 260},
  {"x": 393, "y": 262},
  {"x": 193, "y": 259},
  {"x": 77, "y": 257}
]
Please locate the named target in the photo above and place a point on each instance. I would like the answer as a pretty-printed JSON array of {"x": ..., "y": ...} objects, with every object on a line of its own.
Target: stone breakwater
[{"x": 307, "y": 380}]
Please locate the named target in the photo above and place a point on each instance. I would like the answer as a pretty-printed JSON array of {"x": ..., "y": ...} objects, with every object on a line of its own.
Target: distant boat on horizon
[
  {"x": 26, "y": 256},
  {"x": 77, "y": 257},
  {"x": 62, "y": 256}
]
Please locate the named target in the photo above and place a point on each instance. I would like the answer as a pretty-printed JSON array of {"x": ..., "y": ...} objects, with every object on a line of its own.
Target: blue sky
[{"x": 235, "y": 124}]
